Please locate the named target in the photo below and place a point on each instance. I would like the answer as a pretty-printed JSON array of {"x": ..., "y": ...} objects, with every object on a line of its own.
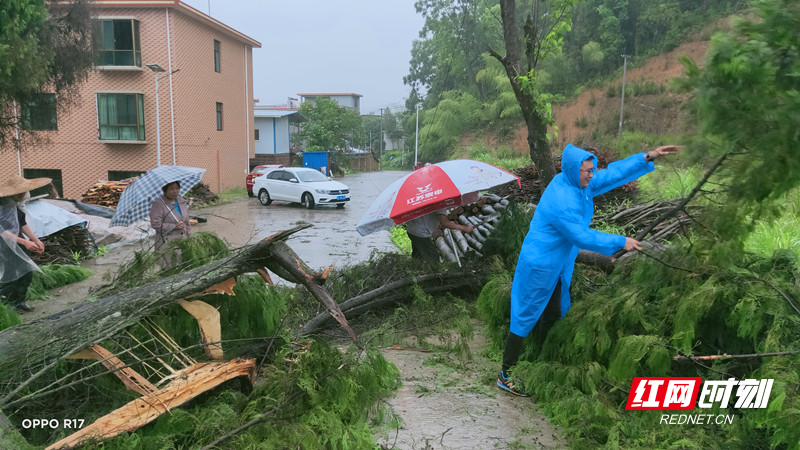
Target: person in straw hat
[{"x": 16, "y": 236}]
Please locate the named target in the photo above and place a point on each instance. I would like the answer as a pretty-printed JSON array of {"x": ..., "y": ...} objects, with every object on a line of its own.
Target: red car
[{"x": 257, "y": 172}]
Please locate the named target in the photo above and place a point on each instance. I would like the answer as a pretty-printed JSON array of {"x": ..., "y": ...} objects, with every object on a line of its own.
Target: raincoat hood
[{"x": 571, "y": 160}]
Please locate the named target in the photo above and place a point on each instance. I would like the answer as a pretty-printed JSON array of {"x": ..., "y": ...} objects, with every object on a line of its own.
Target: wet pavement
[{"x": 332, "y": 238}]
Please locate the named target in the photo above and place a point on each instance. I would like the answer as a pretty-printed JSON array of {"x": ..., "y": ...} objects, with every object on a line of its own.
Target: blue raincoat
[{"x": 560, "y": 227}]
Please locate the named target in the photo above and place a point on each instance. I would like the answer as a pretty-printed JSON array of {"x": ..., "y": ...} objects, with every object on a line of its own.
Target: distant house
[
  {"x": 204, "y": 117},
  {"x": 273, "y": 129},
  {"x": 352, "y": 101}
]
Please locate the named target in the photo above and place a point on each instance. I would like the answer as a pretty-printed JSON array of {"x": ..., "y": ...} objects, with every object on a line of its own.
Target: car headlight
[{"x": 322, "y": 191}]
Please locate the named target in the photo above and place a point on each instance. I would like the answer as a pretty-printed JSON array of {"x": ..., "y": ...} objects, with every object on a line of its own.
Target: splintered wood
[
  {"x": 106, "y": 193},
  {"x": 189, "y": 383}
]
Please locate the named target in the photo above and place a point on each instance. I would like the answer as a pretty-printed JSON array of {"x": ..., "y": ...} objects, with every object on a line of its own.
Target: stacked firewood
[
  {"x": 106, "y": 193},
  {"x": 482, "y": 216},
  {"x": 631, "y": 220},
  {"x": 66, "y": 246}
]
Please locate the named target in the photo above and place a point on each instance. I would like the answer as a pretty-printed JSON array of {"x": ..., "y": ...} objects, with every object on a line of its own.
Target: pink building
[{"x": 205, "y": 102}]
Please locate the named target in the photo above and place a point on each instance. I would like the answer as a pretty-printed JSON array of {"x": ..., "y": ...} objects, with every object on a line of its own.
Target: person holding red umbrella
[
  {"x": 559, "y": 228},
  {"x": 422, "y": 229}
]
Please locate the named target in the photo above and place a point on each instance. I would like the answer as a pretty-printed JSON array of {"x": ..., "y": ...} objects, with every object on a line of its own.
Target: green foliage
[
  {"x": 668, "y": 182},
  {"x": 782, "y": 233},
  {"x": 635, "y": 89},
  {"x": 400, "y": 239},
  {"x": 500, "y": 111},
  {"x": 747, "y": 98},
  {"x": 8, "y": 316},
  {"x": 328, "y": 126},
  {"x": 44, "y": 47},
  {"x": 198, "y": 249},
  {"x": 323, "y": 399},
  {"x": 53, "y": 276},
  {"x": 442, "y": 126},
  {"x": 502, "y": 156},
  {"x": 635, "y": 322}
]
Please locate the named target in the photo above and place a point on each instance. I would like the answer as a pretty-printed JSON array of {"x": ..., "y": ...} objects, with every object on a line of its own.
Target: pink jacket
[{"x": 164, "y": 216}]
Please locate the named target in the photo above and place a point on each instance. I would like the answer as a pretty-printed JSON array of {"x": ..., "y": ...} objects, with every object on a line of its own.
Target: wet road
[{"x": 332, "y": 238}]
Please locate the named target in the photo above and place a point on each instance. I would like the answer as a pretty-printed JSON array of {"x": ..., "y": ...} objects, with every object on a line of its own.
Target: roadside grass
[
  {"x": 669, "y": 182},
  {"x": 503, "y": 156},
  {"x": 225, "y": 197},
  {"x": 229, "y": 196},
  {"x": 781, "y": 233}
]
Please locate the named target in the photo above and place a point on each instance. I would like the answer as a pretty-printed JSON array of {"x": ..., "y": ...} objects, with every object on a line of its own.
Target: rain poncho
[
  {"x": 14, "y": 263},
  {"x": 560, "y": 227}
]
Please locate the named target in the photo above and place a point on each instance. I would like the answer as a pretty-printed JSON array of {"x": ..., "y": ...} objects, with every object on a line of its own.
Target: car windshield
[{"x": 310, "y": 175}]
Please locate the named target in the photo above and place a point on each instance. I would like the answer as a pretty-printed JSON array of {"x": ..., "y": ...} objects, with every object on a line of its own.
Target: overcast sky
[{"x": 358, "y": 46}]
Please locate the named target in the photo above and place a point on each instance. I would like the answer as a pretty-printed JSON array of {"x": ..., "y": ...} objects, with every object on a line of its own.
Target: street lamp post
[
  {"x": 622, "y": 102},
  {"x": 156, "y": 69},
  {"x": 416, "y": 135},
  {"x": 380, "y": 158}
]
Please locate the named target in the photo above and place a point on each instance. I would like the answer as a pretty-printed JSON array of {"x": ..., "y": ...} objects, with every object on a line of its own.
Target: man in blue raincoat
[{"x": 559, "y": 228}]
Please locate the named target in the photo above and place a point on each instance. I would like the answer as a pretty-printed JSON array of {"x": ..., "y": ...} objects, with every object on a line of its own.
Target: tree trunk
[
  {"x": 395, "y": 292},
  {"x": 28, "y": 349},
  {"x": 512, "y": 62}
]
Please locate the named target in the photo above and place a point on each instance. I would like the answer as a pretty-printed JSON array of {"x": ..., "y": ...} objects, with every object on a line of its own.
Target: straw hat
[{"x": 18, "y": 185}]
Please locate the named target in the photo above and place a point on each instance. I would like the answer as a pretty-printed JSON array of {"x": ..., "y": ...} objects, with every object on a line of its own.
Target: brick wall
[
  {"x": 271, "y": 158},
  {"x": 196, "y": 88}
]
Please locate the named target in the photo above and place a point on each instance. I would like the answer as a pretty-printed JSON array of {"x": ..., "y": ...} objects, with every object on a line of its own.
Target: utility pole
[
  {"x": 622, "y": 103},
  {"x": 380, "y": 158},
  {"x": 416, "y": 136}
]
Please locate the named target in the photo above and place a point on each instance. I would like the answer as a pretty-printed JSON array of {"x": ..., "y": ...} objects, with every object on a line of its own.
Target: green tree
[
  {"x": 448, "y": 54},
  {"x": 531, "y": 34},
  {"x": 328, "y": 126},
  {"x": 45, "y": 46},
  {"x": 747, "y": 99}
]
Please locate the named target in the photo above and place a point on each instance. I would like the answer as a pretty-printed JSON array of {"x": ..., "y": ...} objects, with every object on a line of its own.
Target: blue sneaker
[{"x": 511, "y": 385}]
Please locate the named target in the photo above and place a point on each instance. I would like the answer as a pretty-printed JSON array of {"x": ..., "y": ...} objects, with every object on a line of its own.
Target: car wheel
[
  {"x": 264, "y": 198},
  {"x": 340, "y": 205},
  {"x": 308, "y": 201}
]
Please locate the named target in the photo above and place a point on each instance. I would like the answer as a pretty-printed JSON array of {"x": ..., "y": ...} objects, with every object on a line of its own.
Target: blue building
[{"x": 273, "y": 128}]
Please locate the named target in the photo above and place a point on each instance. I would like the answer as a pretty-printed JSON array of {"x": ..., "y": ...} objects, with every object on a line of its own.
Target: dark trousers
[
  {"x": 14, "y": 292},
  {"x": 551, "y": 313},
  {"x": 423, "y": 248}
]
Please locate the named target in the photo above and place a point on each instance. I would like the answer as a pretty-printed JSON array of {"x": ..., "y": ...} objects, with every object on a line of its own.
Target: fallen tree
[
  {"x": 30, "y": 349},
  {"x": 397, "y": 291}
]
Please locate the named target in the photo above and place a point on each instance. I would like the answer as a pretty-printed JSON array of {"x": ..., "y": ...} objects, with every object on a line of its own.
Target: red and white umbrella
[{"x": 429, "y": 189}]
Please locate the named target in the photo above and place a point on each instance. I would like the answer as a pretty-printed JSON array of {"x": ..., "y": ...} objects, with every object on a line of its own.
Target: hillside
[{"x": 594, "y": 114}]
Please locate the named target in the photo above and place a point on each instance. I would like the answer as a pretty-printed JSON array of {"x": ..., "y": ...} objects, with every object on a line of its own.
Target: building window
[
  {"x": 219, "y": 116},
  {"x": 117, "y": 43},
  {"x": 53, "y": 174},
  {"x": 119, "y": 175},
  {"x": 38, "y": 112},
  {"x": 121, "y": 117},
  {"x": 256, "y": 133},
  {"x": 217, "y": 64}
]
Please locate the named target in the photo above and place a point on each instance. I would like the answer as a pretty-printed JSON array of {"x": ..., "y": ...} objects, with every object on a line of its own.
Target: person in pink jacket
[{"x": 169, "y": 216}]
